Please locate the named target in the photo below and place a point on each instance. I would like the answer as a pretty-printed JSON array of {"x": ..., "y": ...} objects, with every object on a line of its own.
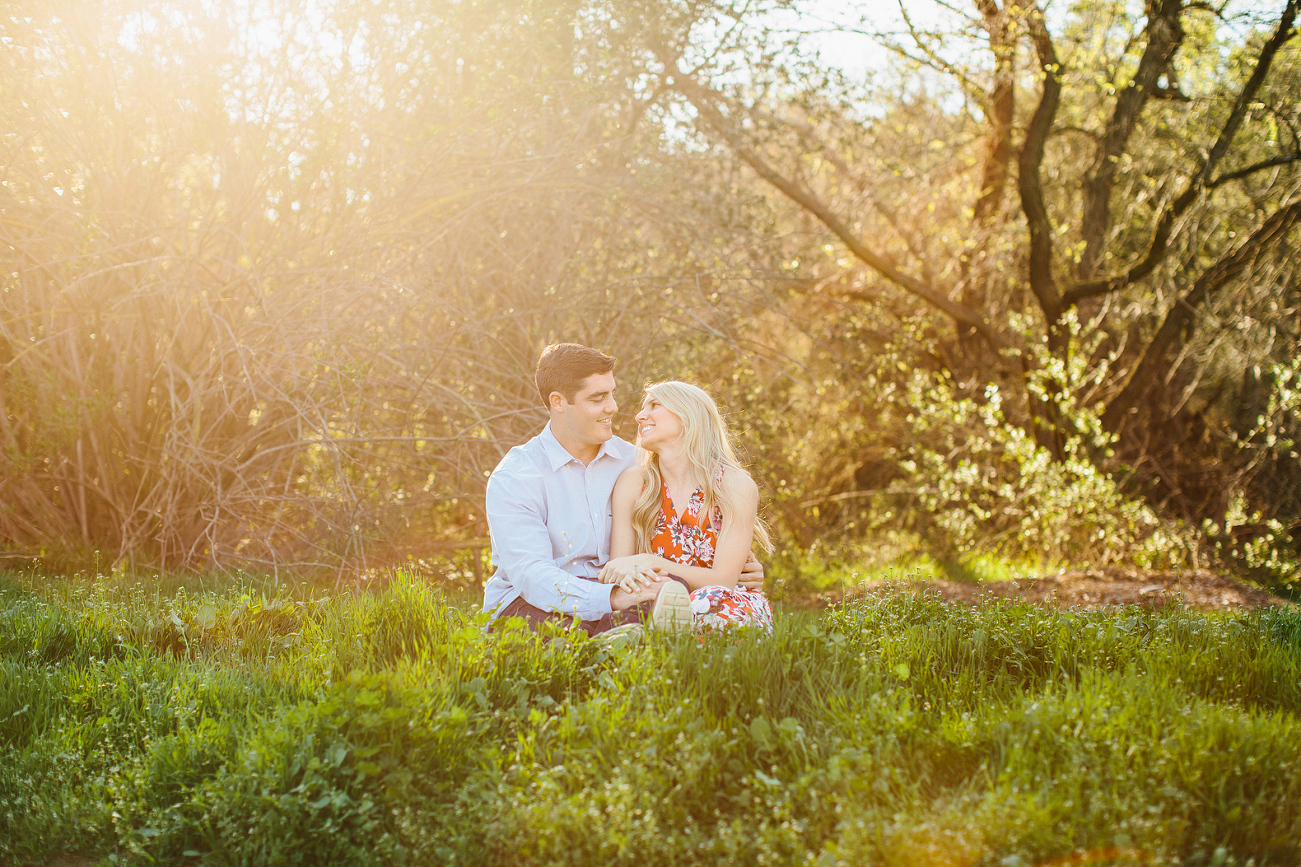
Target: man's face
[{"x": 588, "y": 421}]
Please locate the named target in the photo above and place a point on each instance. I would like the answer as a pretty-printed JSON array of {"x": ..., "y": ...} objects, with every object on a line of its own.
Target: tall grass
[{"x": 239, "y": 724}]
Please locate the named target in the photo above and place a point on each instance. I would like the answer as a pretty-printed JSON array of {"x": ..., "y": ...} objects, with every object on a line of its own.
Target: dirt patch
[{"x": 1198, "y": 589}]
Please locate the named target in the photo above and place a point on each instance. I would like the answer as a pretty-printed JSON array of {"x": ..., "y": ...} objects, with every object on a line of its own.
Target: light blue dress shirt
[{"x": 549, "y": 518}]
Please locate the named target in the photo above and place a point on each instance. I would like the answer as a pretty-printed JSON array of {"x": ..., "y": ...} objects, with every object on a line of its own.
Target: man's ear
[{"x": 555, "y": 400}]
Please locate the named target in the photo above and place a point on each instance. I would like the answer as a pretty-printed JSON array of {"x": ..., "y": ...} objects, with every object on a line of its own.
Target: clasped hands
[
  {"x": 639, "y": 571},
  {"x": 633, "y": 573}
]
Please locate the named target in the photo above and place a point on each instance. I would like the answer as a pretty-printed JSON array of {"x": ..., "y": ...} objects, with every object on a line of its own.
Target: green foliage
[
  {"x": 1258, "y": 543},
  {"x": 395, "y": 730},
  {"x": 291, "y": 319},
  {"x": 985, "y": 483}
]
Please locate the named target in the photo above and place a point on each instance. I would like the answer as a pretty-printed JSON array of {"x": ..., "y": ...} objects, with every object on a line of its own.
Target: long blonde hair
[{"x": 707, "y": 446}]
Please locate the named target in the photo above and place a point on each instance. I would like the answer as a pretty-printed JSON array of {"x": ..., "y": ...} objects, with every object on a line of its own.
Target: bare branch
[
  {"x": 704, "y": 101},
  {"x": 1179, "y": 318},
  {"x": 1247, "y": 171},
  {"x": 1159, "y": 246},
  {"x": 1164, "y": 35},
  {"x": 1001, "y": 110},
  {"x": 1042, "y": 283}
]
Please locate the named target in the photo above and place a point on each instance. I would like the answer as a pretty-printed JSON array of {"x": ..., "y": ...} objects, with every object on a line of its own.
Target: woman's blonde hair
[{"x": 707, "y": 445}]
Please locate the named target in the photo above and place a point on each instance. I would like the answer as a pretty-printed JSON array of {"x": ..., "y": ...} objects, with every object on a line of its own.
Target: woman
[{"x": 688, "y": 509}]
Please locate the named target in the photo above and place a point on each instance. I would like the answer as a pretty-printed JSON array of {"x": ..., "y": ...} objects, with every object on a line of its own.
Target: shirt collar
[{"x": 557, "y": 456}]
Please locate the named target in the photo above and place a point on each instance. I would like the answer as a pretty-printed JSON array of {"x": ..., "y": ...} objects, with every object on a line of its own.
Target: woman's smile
[{"x": 656, "y": 423}]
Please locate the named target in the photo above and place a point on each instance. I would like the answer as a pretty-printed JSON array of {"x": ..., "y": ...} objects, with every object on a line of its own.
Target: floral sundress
[{"x": 690, "y": 540}]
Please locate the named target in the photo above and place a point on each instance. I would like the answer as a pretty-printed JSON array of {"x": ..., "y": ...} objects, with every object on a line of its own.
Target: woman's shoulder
[
  {"x": 736, "y": 481},
  {"x": 633, "y": 473},
  {"x": 632, "y": 478}
]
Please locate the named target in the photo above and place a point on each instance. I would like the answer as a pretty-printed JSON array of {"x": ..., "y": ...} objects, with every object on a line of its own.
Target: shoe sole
[{"x": 672, "y": 609}]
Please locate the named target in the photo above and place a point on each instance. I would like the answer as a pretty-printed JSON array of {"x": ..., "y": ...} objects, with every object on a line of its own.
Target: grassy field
[{"x": 241, "y": 725}]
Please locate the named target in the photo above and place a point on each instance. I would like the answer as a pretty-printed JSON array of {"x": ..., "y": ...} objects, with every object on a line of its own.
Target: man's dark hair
[{"x": 562, "y": 367}]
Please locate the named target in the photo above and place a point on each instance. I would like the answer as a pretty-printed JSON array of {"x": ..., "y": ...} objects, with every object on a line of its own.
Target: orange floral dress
[{"x": 691, "y": 540}]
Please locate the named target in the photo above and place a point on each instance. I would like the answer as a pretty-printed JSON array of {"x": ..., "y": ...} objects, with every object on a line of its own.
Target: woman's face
[{"x": 656, "y": 426}]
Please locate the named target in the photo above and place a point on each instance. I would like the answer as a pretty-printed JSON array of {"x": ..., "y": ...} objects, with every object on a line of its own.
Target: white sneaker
[
  {"x": 672, "y": 609},
  {"x": 627, "y": 635}
]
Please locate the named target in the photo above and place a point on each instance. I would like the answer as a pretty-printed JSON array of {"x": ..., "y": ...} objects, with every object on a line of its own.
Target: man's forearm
[{"x": 551, "y": 589}]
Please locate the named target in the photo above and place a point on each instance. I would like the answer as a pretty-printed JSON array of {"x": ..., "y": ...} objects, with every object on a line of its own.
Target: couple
[{"x": 584, "y": 527}]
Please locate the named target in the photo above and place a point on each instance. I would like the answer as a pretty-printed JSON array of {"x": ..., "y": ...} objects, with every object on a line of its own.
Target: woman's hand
[
  {"x": 631, "y": 573},
  {"x": 621, "y": 599}
]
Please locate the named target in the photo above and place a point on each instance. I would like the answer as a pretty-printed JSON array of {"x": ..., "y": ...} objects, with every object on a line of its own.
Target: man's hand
[
  {"x": 752, "y": 575},
  {"x": 621, "y": 599}
]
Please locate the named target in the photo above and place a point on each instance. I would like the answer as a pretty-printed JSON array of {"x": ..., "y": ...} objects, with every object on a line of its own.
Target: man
[{"x": 548, "y": 505}]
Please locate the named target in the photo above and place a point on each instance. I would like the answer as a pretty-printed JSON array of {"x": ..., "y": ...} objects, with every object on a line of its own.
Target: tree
[
  {"x": 1154, "y": 182},
  {"x": 273, "y": 288}
]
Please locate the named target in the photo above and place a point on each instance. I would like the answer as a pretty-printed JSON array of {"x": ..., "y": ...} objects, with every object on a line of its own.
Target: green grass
[
  {"x": 239, "y": 723},
  {"x": 804, "y": 579}
]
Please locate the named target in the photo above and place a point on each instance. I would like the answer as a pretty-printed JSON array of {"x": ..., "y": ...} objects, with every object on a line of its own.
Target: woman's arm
[
  {"x": 626, "y": 489},
  {"x": 621, "y": 569},
  {"x": 730, "y": 553}
]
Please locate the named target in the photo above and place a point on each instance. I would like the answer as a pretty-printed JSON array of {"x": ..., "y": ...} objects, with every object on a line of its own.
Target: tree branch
[
  {"x": 704, "y": 99},
  {"x": 1029, "y": 182},
  {"x": 938, "y": 63},
  {"x": 1285, "y": 31},
  {"x": 1159, "y": 247},
  {"x": 1280, "y": 160},
  {"x": 1164, "y": 35},
  {"x": 1180, "y": 317},
  {"x": 1002, "y": 105}
]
